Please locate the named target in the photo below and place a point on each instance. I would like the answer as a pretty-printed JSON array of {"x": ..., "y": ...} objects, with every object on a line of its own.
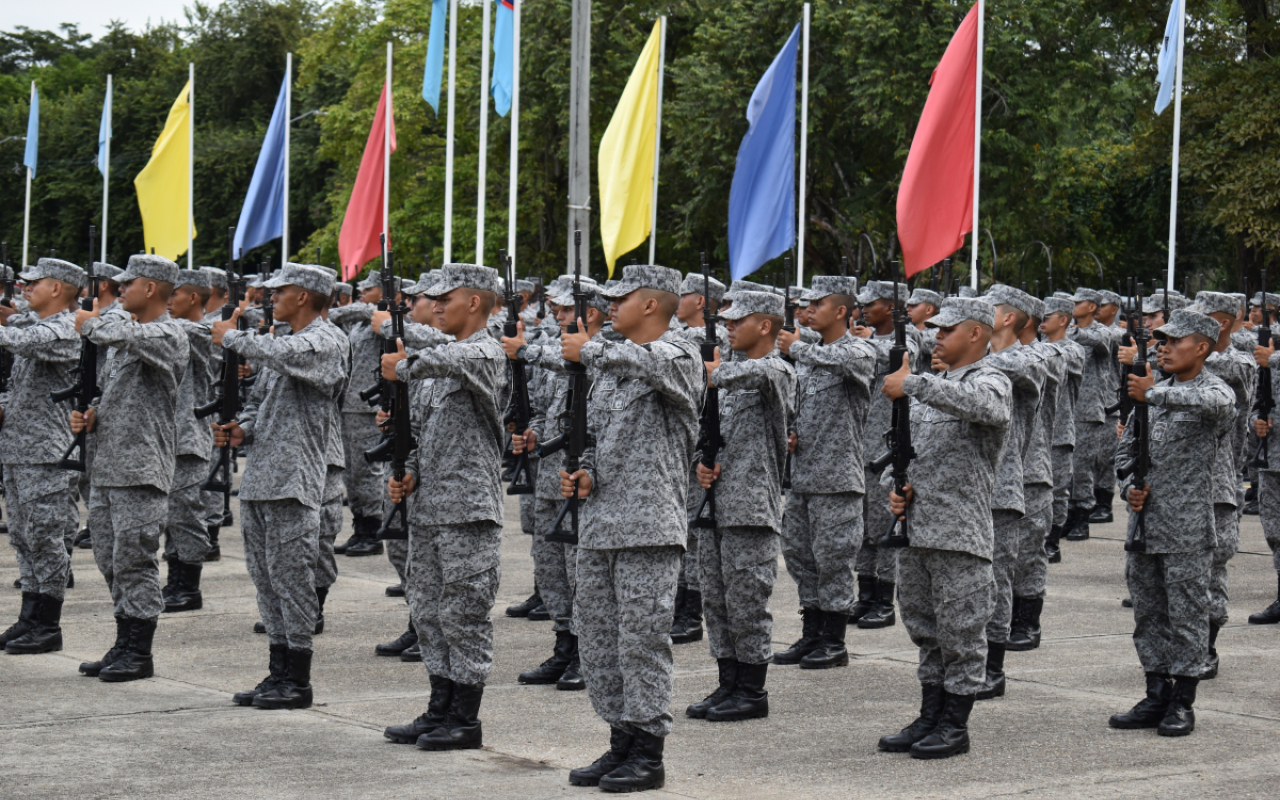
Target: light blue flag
[
  {"x": 33, "y": 133},
  {"x": 762, "y": 198},
  {"x": 262, "y": 217},
  {"x": 503, "y": 47},
  {"x": 104, "y": 134},
  {"x": 1168, "y": 61},
  {"x": 434, "y": 71}
]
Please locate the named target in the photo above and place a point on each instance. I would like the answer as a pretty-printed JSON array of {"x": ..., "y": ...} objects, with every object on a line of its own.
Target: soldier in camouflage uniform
[
  {"x": 33, "y": 438},
  {"x": 1095, "y": 442},
  {"x": 1104, "y": 467},
  {"x": 823, "y": 518},
  {"x": 921, "y": 305},
  {"x": 1056, "y": 324},
  {"x": 216, "y": 506},
  {"x": 136, "y": 422},
  {"x": 456, "y": 520},
  {"x": 739, "y": 558},
  {"x": 282, "y": 488},
  {"x": 643, "y": 415},
  {"x": 959, "y": 421},
  {"x": 1191, "y": 415}
]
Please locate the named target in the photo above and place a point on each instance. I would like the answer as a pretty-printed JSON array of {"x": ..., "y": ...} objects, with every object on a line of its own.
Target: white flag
[{"x": 1169, "y": 57}]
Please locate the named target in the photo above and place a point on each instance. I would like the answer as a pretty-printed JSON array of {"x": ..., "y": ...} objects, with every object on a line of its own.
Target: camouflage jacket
[
  {"x": 1025, "y": 370},
  {"x": 1064, "y": 426},
  {"x": 1240, "y": 373},
  {"x": 1097, "y": 385},
  {"x": 880, "y": 412},
  {"x": 195, "y": 437},
  {"x": 1038, "y": 465},
  {"x": 35, "y": 430},
  {"x": 833, "y": 384}
]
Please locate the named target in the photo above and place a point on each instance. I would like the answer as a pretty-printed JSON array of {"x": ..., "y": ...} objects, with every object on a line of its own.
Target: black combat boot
[
  {"x": 951, "y": 737},
  {"x": 135, "y": 662},
  {"x": 413, "y": 653},
  {"x": 1077, "y": 527},
  {"x": 830, "y": 651},
  {"x": 1151, "y": 709},
  {"x": 259, "y": 627},
  {"x": 619, "y": 748},
  {"x": 688, "y": 622},
  {"x": 461, "y": 729},
  {"x": 84, "y": 539},
  {"x": 866, "y": 598},
  {"x": 365, "y": 541},
  {"x": 1052, "y": 548},
  {"x": 539, "y": 613},
  {"x": 186, "y": 594},
  {"x": 572, "y": 680},
  {"x": 215, "y": 550},
  {"x": 45, "y": 635},
  {"x": 749, "y": 699},
  {"x": 71, "y": 578},
  {"x": 1101, "y": 512},
  {"x": 523, "y": 609},
  {"x": 931, "y": 702},
  {"x": 322, "y": 594},
  {"x": 994, "y": 684},
  {"x": 810, "y": 638},
  {"x": 728, "y": 669},
  {"x": 1271, "y": 614},
  {"x": 26, "y": 618},
  {"x": 437, "y": 709},
  {"x": 549, "y": 671},
  {"x": 92, "y": 668},
  {"x": 295, "y": 690},
  {"x": 394, "y": 591},
  {"x": 277, "y": 671},
  {"x": 1210, "y": 670},
  {"x": 173, "y": 572},
  {"x": 1179, "y": 718},
  {"x": 1025, "y": 634},
  {"x": 882, "y": 614},
  {"x": 1251, "y": 501},
  {"x": 398, "y": 645},
  {"x": 643, "y": 769}
]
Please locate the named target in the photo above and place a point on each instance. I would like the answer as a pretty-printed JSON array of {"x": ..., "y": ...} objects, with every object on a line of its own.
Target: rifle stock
[
  {"x": 712, "y": 440},
  {"x": 577, "y": 433},
  {"x": 521, "y": 411},
  {"x": 898, "y": 438}
]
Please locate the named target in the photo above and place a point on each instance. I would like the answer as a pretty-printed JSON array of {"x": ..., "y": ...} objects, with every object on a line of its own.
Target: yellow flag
[
  {"x": 626, "y": 158},
  {"x": 165, "y": 183}
]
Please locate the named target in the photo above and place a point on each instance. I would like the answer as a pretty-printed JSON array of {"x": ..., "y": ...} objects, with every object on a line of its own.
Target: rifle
[
  {"x": 521, "y": 480},
  {"x": 86, "y": 388},
  {"x": 1265, "y": 402},
  {"x": 397, "y": 430},
  {"x": 1136, "y": 542},
  {"x": 6, "y": 357},
  {"x": 712, "y": 440},
  {"x": 227, "y": 403},
  {"x": 898, "y": 437},
  {"x": 1124, "y": 403},
  {"x": 576, "y": 441},
  {"x": 382, "y": 393},
  {"x": 789, "y": 325}
]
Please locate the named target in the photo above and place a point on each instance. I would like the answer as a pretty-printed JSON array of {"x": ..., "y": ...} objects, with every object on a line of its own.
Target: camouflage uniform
[
  {"x": 1269, "y": 478},
  {"x": 1095, "y": 442},
  {"x": 690, "y": 573},
  {"x": 1031, "y": 561},
  {"x": 187, "y": 534},
  {"x": 1238, "y": 371},
  {"x": 1063, "y": 442},
  {"x": 366, "y": 482}
]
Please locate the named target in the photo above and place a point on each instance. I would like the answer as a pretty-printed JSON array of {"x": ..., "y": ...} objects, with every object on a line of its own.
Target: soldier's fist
[
  {"x": 389, "y": 361},
  {"x": 83, "y": 421},
  {"x": 567, "y": 481},
  {"x": 399, "y": 490}
]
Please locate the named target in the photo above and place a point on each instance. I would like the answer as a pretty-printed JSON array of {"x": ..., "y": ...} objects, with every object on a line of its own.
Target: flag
[
  {"x": 432, "y": 74},
  {"x": 503, "y": 52},
  {"x": 262, "y": 216},
  {"x": 33, "y": 132},
  {"x": 762, "y": 198},
  {"x": 104, "y": 133},
  {"x": 361, "y": 227},
  {"x": 164, "y": 185},
  {"x": 1167, "y": 64},
  {"x": 626, "y": 157},
  {"x": 935, "y": 200}
]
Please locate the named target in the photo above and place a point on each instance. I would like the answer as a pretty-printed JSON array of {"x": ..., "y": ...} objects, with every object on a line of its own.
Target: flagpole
[
  {"x": 804, "y": 150},
  {"x": 386, "y": 159},
  {"x": 191, "y": 165},
  {"x": 26, "y": 213},
  {"x": 106, "y": 172},
  {"x": 657, "y": 143},
  {"x": 484, "y": 129},
  {"x": 288, "y": 115},
  {"x": 1177, "y": 142},
  {"x": 448, "y": 137},
  {"x": 515, "y": 129},
  {"x": 977, "y": 147}
]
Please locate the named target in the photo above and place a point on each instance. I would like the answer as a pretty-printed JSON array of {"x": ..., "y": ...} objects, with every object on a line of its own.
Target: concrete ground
[{"x": 64, "y": 735}]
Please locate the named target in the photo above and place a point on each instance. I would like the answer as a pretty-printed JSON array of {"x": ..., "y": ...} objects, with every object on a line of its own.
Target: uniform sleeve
[
  {"x": 462, "y": 360},
  {"x": 155, "y": 345},
  {"x": 417, "y": 336},
  {"x": 41, "y": 343},
  {"x": 985, "y": 400},
  {"x": 661, "y": 367},
  {"x": 1213, "y": 402},
  {"x": 296, "y": 356}
]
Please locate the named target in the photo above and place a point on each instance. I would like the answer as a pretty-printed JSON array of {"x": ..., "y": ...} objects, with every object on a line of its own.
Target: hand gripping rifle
[
  {"x": 6, "y": 358},
  {"x": 576, "y": 442},
  {"x": 521, "y": 480},
  {"x": 898, "y": 437},
  {"x": 397, "y": 431},
  {"x": 1140, "y": 420},
  {"x": 227, "y": 404},
  {"x": 789, "y": 325},
  {"x": 1265, "y": 402},
  {"x": 712, "y": 441},
  {"x": 86, "y": 388}
]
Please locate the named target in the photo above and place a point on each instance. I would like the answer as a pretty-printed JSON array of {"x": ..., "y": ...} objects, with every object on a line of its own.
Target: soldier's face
[
  {"x": 452, "y": 310},
  {"x": 41, "y": 295},
  {"x": 372, "y": 295},
  {"x": 1054, "y": 323},
  {"x": 1153, "y": 321},
  {"x": 802, "y": 316},
  {"x": 1085, "y": 308},
  {"x": 421, "y": 313},
  {"x": 628, "y": 313},
  {"x": 877, "y": 313},
  {"x": 823, "y": 313},
  {"x": 689, "y": 308},
  {"x": 920, "y": 312},
  {"x": 134, "y": 295},
  {"x": 743, "y": 335},
  {"x": 1181, "y": 354}
]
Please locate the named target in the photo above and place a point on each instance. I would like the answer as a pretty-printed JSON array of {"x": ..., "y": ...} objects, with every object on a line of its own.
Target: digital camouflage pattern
[
  {"x": 739, "y": 567},
  {"x": 281, "y": 547},
  {"x": 945, "y": 601},
  {"x": 125, "y": 522}
]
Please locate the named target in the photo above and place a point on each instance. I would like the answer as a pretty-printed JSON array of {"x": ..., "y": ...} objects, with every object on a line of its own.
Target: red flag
[
  {"x": 935, "y": 200},
  {"x": 359, "y": 241}
]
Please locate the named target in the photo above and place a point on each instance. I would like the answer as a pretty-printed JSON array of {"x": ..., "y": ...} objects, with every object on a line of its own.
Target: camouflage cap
[
  {"x": 1002, "y": 294},
  {"x": 593, "y": 298},
  {"x": 406, "y": 284},
  {"x": 693, "y": 285},
  {"x": 745, "y": 286},
  {"x": 193, "y": 277},
  {"x": 922, "y": 295},
  {"x": 217, "y": 277},
  {"x": 562, "y": 286},
  {"x": 1065, "y": 296},
  {"x": 823, "y": 285},
  {"x": 1185, "y": 322},
  {"x": 305, "y": 276},
  {"x": 525, "y": 285},
  {"x": 144, "y": 265},
  {"x": 344, "y": 289},
  {"x": 1058, "y": 305},
  {"x": 645, "y": 276},
  {"x": 6, "y": 273},
  {"x": 1086, "y": 295},
  {"x": 101, "y": 269},
  {"x": 425, "y": 281},
  {"x": 749, "y": 303},
  {"x": 57, "y": 269},
  {"x": 330, "y": 271},
  {"x": 1272, "y": 299},
  {"x": 464, "y": 276},
  {"x": 1154, "y": 303},
  {"x": 1216, "y": 303},
  {"x": 968, "y": 292},
  {"x": 958, "y": 309},
  {"x": 1107, "y": 297},
  {"x": 371, "y": 281}
]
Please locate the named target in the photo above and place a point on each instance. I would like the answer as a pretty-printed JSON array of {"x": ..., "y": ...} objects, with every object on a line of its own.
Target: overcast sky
[{"x": 91, "y": 15}]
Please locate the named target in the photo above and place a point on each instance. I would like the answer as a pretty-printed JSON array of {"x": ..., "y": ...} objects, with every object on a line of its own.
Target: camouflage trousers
[
  {"x": 1095, "y": 450},
  {"x": 739, "y": 567},
  {"x": 1170, "y": 594},
  {"x": 623, "y": 611},
  {"x": 213, "y": 501},
  {"x": 1269, "y": 512},
  {"x": 126, "y": 523},
  {"x": 366, "y": 483},
  {"x": 1251, "y": 447},
  {"x": 186, "y": 537},
  {"x": 945, "y": 600},
  {"x": 40, "y": 519},
  {"x": 330, "y": 527},
  {"x": 1008, "y": 529},
  {"x": 872, "y": 561},
  {"x": 821, "y": 534},
  {"x": 690, "y": 574},
  {"x": 1226, "y": 520},
  {"x": 281, "y": 547},
  {"x": 554, "y": 567},
  {"x": 1063, "y": 459},
  {"x": 1031, "y": 562},
  {"x": 453, "y": 581},
  {"x": 1104, "y": 459}
]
